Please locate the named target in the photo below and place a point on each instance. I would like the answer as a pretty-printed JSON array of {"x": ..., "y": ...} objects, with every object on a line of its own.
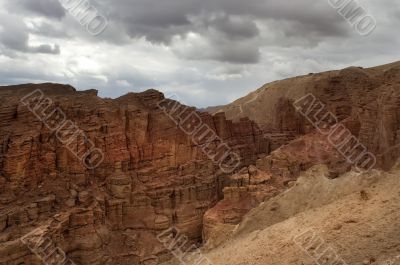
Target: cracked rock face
[{"x": 153, "y": 176}]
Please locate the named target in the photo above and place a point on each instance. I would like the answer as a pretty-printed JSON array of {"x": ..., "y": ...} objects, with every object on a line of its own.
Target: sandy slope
[
  {"x": 360, "y": 228},
  {"x": 358, "y": 219}
]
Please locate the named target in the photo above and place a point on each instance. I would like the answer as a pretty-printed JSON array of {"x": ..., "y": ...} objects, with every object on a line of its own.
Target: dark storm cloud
[
  {"x": 220, "y": 20},
  {"x": 178, "y": 13},
  {"x": 229, "y": 26},
  {"x": 223, "y": 50}
]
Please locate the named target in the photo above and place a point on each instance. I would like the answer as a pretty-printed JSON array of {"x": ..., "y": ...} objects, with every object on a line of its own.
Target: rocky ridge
[{"x": 367, "y": 99}]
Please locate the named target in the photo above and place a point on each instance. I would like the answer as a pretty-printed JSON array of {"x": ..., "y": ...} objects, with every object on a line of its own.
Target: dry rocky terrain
[
  {"x": 355, "y": 215},
  {"x": 155, "y": 177}
]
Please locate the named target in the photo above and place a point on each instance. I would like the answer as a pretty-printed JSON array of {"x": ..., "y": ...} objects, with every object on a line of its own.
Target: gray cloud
[
  {"x": 306, "y": 22},
  {"x": 235, "y": 28},
  {"x": 228, "y": 26},
  {"x": 52, "y": 30},
  {"x": 14, "y": 36},
  {"x": 45, "y": 48},
  {"x": 209, "y": 51},
  {"x": 47, "y": 8}
]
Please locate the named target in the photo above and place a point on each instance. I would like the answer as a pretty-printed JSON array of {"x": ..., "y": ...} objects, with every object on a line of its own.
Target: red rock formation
[{"x": 153, "y": 175}]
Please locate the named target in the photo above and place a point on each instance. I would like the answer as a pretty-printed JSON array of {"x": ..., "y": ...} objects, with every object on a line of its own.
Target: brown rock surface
[
  {"x": 369, "y": 97},
  {"x": 153, "y": 176}
]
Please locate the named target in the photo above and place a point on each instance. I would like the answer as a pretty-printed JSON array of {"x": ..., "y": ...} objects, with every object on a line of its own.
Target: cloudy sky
[{"x": 208, "y": 52}]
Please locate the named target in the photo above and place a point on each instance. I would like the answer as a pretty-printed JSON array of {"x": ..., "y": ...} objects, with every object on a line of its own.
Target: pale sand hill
[
  {"x": 312, "y": 190},
  {"x": 358, "y": 219}
]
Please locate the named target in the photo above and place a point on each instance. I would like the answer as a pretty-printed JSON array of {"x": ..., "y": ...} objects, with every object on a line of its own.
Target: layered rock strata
[{"x": 153, "y": 176}]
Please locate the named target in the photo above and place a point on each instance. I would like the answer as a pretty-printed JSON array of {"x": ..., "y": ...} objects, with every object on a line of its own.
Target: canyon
[{"x": 154, "y": 176}]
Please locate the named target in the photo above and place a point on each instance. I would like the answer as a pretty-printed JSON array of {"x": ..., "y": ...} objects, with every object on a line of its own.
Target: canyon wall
[{"x": 153, "y": 176}]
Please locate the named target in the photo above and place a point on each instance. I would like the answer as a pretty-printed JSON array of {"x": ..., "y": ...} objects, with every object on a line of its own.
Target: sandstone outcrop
[{"x": 153, "y": 175}]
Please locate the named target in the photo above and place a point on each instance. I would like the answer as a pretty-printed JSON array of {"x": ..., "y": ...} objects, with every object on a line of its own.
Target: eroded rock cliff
[{"x": 153, "y": 175}]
